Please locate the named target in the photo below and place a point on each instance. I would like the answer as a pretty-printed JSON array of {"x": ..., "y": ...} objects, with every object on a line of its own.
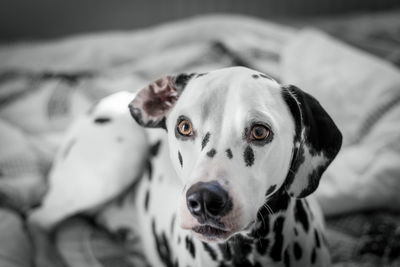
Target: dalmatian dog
[{"x": 220, "y": 167}]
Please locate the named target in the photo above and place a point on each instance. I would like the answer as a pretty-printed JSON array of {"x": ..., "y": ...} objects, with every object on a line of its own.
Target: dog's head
[{"x": 235, "y": 137}]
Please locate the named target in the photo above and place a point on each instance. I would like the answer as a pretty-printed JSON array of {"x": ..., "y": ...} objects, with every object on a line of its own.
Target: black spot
[
  {"x": 248, "y": 156},
  {"x": 300, "y": 214},
  {"x": 146, "y": 200},
  {"x": 182, "y": 80},
  {"x": 179, "y": 239},
  {"x": 205, "y": 140},
  {"x": 229, "y": 153},
  {"x": 102, "y": 120},
  {"x": 210, "y": 251},
  {"x": 68, "y": 147},
  {"x": 270, "y": 189},
  {"x": 120, "y": 139},
  {"x": 263, "y": 220},
  {"x": 149, "y": 168},
  {"x": 297, "y": 251},
  {"x": 313, "y": 256},
  {"x": 162, "y": 246},
  {"x": 255, "y": 76},
  {"x": 173, "y": 223},
  {"x": 276, "y": 250},
  {"x": 155, "y": 148},
  {"x": 242, "y": 262},
  {"x": 317, "y": 241},
  {"x": 225, "y": 251},
  {"x": 295, "y": 231},
  {"x": 279, "y": 201},
  {"x": 262, "y": 245},
  {"x": 190, "y": 247},
  {"x": 241, "y": 249},
  {"x": 211, "y": 153},
  {"x": 286, "y": 257},
  {"x": 180, "y": 158}
]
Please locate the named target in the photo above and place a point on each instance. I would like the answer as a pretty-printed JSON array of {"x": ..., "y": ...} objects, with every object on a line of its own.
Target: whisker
[
  {"x": 268, "y": 209},
  {"x": 262, "y": 219}
]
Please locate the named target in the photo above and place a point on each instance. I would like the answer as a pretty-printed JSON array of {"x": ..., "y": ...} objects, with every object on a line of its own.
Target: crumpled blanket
[{"x": 45, "y": 86}]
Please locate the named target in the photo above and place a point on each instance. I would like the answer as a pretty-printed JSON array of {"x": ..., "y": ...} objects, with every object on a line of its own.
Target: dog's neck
[{"x": 263, "y": 234}]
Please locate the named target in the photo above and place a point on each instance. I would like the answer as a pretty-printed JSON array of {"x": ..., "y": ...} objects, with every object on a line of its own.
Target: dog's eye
[
  {"x": 185, "y": 128},
  {"x": 259, "y": 132}
]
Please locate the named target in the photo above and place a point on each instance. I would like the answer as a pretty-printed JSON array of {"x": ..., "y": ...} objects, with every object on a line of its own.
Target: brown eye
[
  {"x": 185, "y": 128},
  {"x": 259, "y": 132}
]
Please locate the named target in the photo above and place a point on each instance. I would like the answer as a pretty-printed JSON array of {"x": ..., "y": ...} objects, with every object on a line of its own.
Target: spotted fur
[
  {"x": 211, "y": 153},
  {"x": 229, "y": 153},
  {"x": 280, "y": 229},
  {"x": 248, "y": 156}
]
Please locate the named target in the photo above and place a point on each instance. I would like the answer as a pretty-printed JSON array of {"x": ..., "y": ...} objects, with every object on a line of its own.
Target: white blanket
[
  {"x": 44, "y": 86},
  {"x": 362, "y": 93}
]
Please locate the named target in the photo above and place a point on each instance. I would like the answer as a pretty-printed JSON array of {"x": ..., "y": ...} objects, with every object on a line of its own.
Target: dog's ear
[
  {"x": 316, "y": 143},
  {"x": 152, "y": 104}
]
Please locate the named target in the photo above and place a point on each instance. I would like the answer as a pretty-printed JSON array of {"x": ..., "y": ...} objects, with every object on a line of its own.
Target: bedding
[{"x": 46, "y": 85}]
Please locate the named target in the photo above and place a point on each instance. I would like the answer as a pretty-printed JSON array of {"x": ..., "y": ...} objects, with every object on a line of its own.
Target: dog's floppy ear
[
  {"x": 316, "y": 143},
  {"x": 152, "y": 104}
]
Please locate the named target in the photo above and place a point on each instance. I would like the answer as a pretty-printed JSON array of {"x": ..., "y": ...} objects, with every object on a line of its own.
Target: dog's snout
[{"x": 208, "y": 201}]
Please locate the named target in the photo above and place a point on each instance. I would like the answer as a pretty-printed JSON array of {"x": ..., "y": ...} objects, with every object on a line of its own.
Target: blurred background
[
  {"x": 39, "y": 19},
  {"x": 59, "y": 58}
]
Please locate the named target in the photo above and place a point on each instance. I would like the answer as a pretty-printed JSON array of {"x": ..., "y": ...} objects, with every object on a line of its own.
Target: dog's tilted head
[{"x": 236, "y": 136}]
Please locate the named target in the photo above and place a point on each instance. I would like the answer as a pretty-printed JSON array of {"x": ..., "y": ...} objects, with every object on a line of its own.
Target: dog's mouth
[{"x": 211, "y": 233}]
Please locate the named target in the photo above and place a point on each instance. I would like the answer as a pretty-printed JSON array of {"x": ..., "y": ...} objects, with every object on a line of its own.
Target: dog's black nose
[{"x": 208, "y": 201}]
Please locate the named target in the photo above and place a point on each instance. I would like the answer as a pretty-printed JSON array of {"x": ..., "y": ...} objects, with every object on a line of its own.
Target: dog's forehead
[{"x": 235, "y": 92}]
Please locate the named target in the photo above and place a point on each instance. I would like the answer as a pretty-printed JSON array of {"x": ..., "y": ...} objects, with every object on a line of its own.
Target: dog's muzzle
[{"x": 208, "y": 202}]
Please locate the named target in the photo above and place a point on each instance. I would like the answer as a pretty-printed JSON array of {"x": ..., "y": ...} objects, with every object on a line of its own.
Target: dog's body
[{"x": 225, "y": 186}]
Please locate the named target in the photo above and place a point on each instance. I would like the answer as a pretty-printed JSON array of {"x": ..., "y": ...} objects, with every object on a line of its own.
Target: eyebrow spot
[
  {"x": 229, "y": 153},
  {"x": 205, "y": 140},
  {"x": 102, "y": 120},
  {"x": 211, "y": 153},
  {"x": 248, "y": 156},
  {"x": 180, "y": 158}
]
